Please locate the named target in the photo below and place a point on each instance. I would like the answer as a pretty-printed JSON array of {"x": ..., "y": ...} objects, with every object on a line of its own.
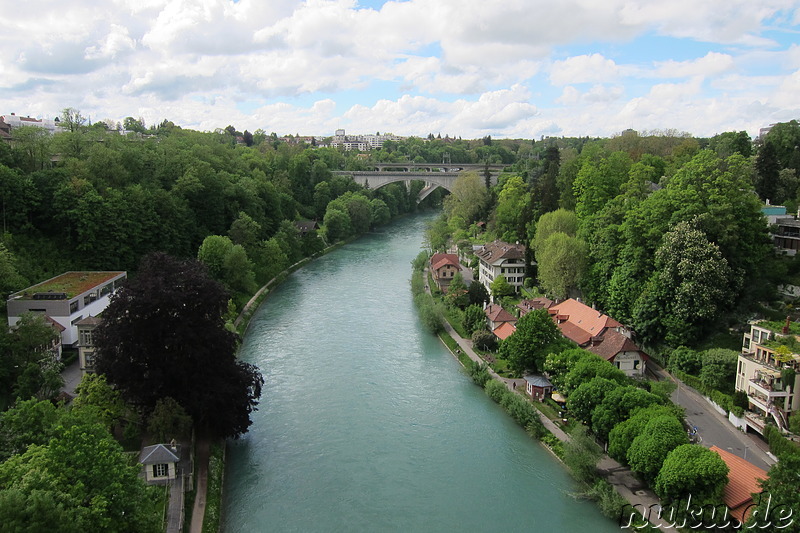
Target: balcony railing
[{"x": 766, "y": 388}]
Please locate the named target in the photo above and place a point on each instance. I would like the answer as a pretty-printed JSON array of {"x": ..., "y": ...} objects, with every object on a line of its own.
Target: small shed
[
  {"x": 159, "y": 462},
  {"x": 538, "y": 387}
]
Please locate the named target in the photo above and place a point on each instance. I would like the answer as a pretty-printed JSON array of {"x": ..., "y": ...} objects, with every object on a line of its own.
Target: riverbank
[{"x": 615, "y": 474}]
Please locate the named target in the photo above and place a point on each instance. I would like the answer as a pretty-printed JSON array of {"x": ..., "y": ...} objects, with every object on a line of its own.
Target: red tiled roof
[
  {"x": 496, "y": 313},
  {"x": 742, "y": 483},
  {"x": 613, "y": 343},
  {"x": 439, "y": 260},
  {"x": 504, "y": 330},
  {"x": 592, "y": 321},
  {"x": 574, "y": 333}
]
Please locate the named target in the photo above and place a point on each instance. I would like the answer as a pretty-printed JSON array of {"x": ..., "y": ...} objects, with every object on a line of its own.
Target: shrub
[
  {"x": 479, "y": 372},
  {"x": 484, "y": 340}
]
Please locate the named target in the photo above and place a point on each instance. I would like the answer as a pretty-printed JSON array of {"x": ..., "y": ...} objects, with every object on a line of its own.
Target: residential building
[
  {"x": 538, "y": 387},
  {"x": 743, "y": 483},
  {"x": 86, "y": 343},
  {"x": 67, "y": 299},
  {"x": 362, "y": 142},
  {"x": 159, "y": 462},
  {"x": 496, "y": 315},
  {"x": 15, "y": 121},
  {"x": 500, "y": 258},
  {"x": 443, "y": 268},
  {"x": 504, "y": 330},
  {"x": 768, "y": 371},
  {"x": 599, "y": 334},
  {"x": 532, "y": 304}
]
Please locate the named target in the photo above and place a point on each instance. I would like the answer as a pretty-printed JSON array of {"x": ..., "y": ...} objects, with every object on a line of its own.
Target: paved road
[{"x": 713, "y": 428}]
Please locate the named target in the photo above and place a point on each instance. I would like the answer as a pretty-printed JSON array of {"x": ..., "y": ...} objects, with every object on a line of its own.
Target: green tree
[
  {"x": 558, "y": 221},
  {"x": 245, "y": 231},
  {"x": 618, "y": 405},
  {"x": 337, "y": 225},
  {"x": 536, "y": 336},
  {"x": 511, "y": 204},
  {"x": 691, "y": 286},
  {"x": 212, "y": 253},
  {"x": 692, "y": 470},
  {"x": 648, "y": 451},
  {"x": 478, "y": 295},
  {"x": 588, "y": 367},
  {"x": 468, "y": 199},
  {"x": 474, "y": 318},
  {"x": 94, "y": 391},
  {"x": 169, "y": 421},
  {"x": 501, "y": 287},
  {"x": 622, "y": 435},
  {"x": 457, "y": 292},
  {"x": 163, "y": 335},
  {"x": 561, "y": 264},
  {"x": 780, "y": 495},
  {"x": 719, "y": 368},
  {"x": 80, "y": 477},
  {"x": 588, "y": 396},
  {"x": 581, "y": 454}
]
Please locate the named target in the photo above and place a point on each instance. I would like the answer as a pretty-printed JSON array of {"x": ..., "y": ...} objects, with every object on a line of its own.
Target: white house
[
  {"x": 501, "y": 258},
  {"x": 67, "y": 299},
  {"x": 160, "y": 462}
]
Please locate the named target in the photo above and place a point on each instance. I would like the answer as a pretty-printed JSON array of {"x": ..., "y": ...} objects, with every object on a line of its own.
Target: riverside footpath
[{"x": 618, "y": 475}]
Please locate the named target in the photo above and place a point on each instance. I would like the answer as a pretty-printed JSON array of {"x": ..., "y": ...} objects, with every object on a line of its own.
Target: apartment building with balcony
[{"x": 767, "y": 371}]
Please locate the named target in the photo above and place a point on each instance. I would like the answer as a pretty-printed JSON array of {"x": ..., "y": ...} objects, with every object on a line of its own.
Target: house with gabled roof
[
  {"x": 496, "y": 315},
  {"x": 600, "y": 334},
  {"x": 160, "y": 462},
  {"x": 443, "y": 268},
  {"x": 504, "y": 330},
  {"x": 743, "y": 483},
  {"x": 620, "y": 351}
]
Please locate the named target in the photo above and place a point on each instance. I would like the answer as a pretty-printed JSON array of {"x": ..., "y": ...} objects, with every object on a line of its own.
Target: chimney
[{"x": 785, "y": 329}]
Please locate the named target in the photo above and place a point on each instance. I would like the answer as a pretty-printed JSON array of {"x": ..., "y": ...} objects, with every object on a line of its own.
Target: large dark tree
[{"x": 163, "y": 335}]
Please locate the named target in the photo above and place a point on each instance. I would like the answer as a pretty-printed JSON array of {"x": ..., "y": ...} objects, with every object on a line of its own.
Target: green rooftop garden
[
  {"x": 776, "y": 326},
  {"x": 71, "y": 283}
]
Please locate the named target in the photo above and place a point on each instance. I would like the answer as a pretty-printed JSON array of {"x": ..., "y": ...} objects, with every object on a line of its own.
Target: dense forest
[{"x": 663, "y": 230}]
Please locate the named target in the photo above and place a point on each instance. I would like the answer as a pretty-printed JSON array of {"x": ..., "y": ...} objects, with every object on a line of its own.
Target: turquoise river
[{"x": 368, "y": 423}]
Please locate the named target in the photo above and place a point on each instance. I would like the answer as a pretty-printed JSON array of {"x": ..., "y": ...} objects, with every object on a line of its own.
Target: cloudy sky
[{"x": 469, "y": 68}]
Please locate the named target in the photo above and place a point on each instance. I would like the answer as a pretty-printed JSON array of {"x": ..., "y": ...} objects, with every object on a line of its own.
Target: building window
[
  {"x": 160, "y": 470},
  {"x": 89, "y": 361},
  {"x": 73, "y": 307},
  {"x": 86, "y": 338}
]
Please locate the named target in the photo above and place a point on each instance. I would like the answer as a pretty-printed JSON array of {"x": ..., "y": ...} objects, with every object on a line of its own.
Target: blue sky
[{"x": 469, "y": 68}]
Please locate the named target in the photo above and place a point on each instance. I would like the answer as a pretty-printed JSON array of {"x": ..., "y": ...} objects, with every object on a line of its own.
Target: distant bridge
[{"x": 434, "y": 175}]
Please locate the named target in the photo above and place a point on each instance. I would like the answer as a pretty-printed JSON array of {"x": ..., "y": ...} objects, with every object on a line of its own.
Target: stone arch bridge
[{"x": 434, "y": 175}]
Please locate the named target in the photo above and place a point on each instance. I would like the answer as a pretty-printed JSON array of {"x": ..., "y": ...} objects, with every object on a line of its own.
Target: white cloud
[
  {"x": 584, "y": 69},
  {"x": 467, "y": 67},
  {"x": 712, "y": 64}
]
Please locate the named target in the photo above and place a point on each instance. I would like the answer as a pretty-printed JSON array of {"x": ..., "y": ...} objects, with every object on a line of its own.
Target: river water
[{"x": 367, "y": 423}]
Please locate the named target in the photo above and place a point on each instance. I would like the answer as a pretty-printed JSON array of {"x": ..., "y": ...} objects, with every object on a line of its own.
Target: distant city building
[
  {"x": 362, "y": 142},
  {"x": 14, "y": 121}
]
